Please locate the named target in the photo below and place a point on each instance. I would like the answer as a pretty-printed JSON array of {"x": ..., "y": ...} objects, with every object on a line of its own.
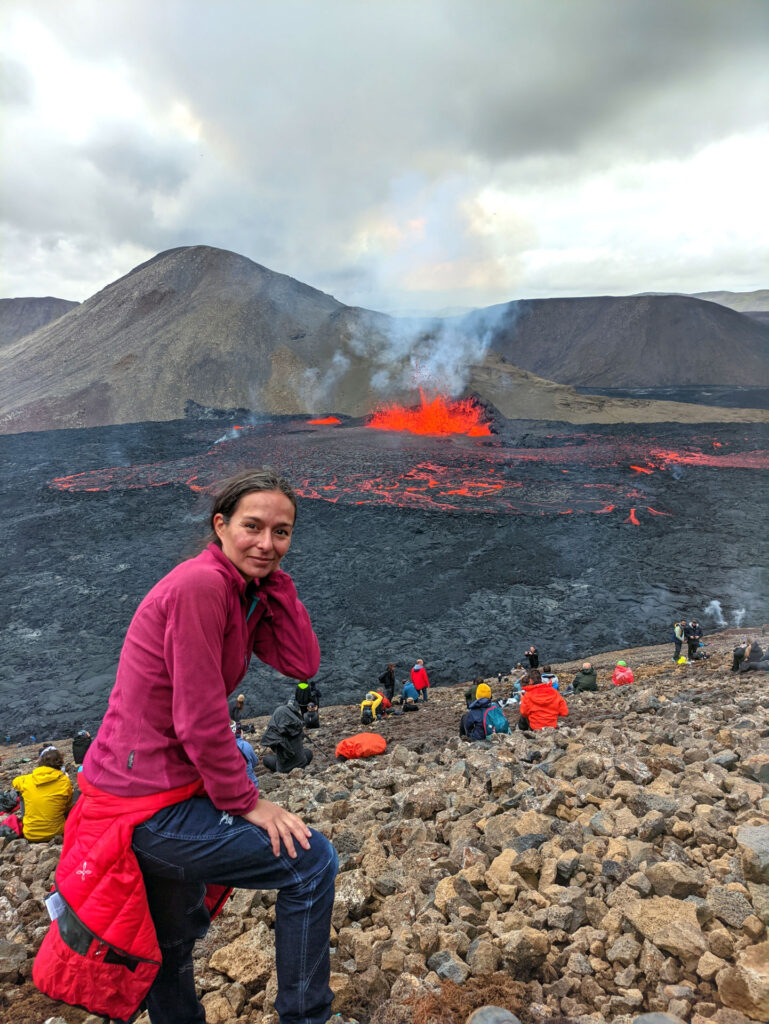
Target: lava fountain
[{"x": 439, "y": 416}]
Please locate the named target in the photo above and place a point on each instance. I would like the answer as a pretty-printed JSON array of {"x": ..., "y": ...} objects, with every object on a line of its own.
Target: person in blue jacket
[{"x": 409, "y": 690}]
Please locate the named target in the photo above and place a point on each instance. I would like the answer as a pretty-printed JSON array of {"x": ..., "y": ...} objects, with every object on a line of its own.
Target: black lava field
[{"x": 459, "y": 550}]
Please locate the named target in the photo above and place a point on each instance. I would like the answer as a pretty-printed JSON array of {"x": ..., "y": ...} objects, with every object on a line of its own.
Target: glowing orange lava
[
  {"x": 440, "y": 416},
  {"x": 325, "y": 422}
]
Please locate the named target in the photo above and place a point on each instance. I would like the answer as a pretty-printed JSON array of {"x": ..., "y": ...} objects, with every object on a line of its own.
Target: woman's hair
[
  {"x": 50, "y": 758},
  {"x": 533, "y": 676},
  {"x": 229, "y": 493},
  {"x": 547, "y": 668}
]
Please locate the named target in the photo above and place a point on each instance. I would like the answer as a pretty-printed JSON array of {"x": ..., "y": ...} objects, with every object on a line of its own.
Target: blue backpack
[{"x": 482, "y": 722}]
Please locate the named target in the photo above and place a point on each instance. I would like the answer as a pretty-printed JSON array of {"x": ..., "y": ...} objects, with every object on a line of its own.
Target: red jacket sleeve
[
  {"x": 194, "y": 634},
  {"x": 284, "y": 637},
  {"x": 563, "y": 707}
]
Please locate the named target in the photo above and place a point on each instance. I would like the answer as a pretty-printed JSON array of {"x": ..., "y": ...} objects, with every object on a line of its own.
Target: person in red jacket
[
  {"x": 167, "y": 727},
  {"x": 420, "y": 680},
  {"x": 541, "y": 707},
  {"x": 622, "y": 675}
]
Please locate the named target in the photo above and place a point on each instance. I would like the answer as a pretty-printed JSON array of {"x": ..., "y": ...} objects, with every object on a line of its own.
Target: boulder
[
  {"x": 753, "y": 843},
  {"x": 250, "y": 959},
  {"x": 650, "y": 915},
  {"x": 745, "y": 986}
]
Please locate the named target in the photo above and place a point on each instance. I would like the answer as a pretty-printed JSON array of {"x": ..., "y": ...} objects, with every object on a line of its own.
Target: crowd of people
[{"x": 167, "y": 815}]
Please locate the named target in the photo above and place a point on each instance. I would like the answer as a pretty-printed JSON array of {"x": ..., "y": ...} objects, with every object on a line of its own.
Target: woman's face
[{"x": 258, "y": 534}]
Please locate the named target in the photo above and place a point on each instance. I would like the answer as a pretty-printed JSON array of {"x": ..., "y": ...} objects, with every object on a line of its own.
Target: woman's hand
[{"x": 280, "y": 824}]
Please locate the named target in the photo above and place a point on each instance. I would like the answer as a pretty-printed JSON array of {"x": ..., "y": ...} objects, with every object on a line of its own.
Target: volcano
[{"x": 455, "y": 548}]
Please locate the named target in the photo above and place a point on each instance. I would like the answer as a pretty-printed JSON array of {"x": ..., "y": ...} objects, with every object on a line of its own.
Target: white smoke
[
  {"x": 714, "y": 610},
  {"x": 738, "y": 616},
  {"x": 436, "y": 354},
  {"x": 316, "y": 387}
]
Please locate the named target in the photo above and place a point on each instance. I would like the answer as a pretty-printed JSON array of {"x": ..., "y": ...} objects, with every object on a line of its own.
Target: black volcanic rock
[
  {"x": 19, "y": 317},
  {"x": 632, "y": 341}
]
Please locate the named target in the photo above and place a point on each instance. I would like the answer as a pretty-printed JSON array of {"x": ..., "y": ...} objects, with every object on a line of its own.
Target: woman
[
  {"x": 47, "y": 796},
  {"x": 165, "y": 769},
  {"x": 622, "y": 675}
]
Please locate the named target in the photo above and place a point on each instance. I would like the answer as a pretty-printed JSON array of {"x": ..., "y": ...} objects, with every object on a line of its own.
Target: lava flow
[{"x": 439, "y": 416}]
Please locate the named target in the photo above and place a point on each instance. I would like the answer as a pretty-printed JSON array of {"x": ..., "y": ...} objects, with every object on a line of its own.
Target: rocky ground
[{"x": 617, "y": 865}]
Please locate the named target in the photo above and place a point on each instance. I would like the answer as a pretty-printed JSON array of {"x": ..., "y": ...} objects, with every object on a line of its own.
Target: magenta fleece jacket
[{"x": 186, "y": 650}]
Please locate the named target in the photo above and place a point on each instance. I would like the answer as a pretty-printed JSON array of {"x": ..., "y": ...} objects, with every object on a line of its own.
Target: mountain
[
  {"x": 19, "y": 317},
  {"x": 631, "y": 341},
  {"x": 743, "y": 302},
  {"x": 203, "y": 324}
]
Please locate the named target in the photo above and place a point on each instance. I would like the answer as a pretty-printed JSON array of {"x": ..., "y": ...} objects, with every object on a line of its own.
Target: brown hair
[
  {"x": 229, "y": 493},
  {"x": 50, "y": 758}
]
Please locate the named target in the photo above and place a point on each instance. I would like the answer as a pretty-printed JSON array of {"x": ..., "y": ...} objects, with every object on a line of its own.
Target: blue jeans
[
  {"x": 423, "y": 694},
  {"x": 185, "y": 846}
]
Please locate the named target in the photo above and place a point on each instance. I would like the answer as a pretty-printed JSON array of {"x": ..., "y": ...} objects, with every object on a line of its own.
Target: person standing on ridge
[
  {"x": 420, "y": 680},
  {"x": 693, "y": 639},
  {"x": 387, "y": 681},
  {"x": 678, "y": 638},
  {"x": 167, "y": 808},
  {"x": 532, "y": 656},
  {"x": 236, "y": 713}
]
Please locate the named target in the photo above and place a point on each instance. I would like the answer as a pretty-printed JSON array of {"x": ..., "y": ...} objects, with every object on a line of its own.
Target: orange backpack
[{"x": 363, "y": 744}]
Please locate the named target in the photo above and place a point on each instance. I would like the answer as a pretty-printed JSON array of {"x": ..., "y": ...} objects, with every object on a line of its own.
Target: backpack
[
  {"x": 494, "y": 721},
  {"x": 367, "y": 713}
]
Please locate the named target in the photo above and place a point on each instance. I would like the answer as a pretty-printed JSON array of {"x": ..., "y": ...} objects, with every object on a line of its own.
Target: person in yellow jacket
[{"x": 47, "y": 796}]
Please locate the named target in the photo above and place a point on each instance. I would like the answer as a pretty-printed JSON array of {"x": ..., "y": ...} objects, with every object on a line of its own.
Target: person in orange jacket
[
  {"x": 541, "y": 707},
  {"x": 420, "y": 680},
  {"x": 623, "y": 675}
]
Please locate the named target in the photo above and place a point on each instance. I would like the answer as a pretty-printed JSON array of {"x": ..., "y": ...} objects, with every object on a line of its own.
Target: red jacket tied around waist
[{"x": 102, "y": 952}]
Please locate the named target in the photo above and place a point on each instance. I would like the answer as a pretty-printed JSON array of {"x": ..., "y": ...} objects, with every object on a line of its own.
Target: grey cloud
[{"x": 125, "y": 155}]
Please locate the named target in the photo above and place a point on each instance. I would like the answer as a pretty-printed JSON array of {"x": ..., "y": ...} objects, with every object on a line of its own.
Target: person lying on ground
[
  {"x": 284, "y": 737},
  {"x": 585, "y": 679},
  {"x": 541, "y": 707},
  {"x": 549, "y": 677},
  {"x": 419, "y": 679},
  {"x": 622, "y": 675},
  {"x": 46, "y": 793},
  {"x": 483, "y": 717},
  {"x": 172, "y": 784}
]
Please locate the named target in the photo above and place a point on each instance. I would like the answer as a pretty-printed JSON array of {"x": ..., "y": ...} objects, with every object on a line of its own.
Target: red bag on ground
[{"x": 363, "y": 744}]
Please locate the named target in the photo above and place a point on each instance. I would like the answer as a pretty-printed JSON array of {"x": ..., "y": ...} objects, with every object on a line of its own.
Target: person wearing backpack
[
  {"x": 483, "y": 717},
  {"x": 373, "y": 706},
  {"x": 387, "y": 681},
  {"x": 678, "y": 638}
]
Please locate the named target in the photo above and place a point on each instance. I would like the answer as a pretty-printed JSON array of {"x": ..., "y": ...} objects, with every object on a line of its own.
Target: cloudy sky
[{"x": 400, "y": 154}]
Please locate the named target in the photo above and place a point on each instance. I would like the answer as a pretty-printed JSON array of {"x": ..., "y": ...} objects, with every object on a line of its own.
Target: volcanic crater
[{"x": 455, "y": 548}]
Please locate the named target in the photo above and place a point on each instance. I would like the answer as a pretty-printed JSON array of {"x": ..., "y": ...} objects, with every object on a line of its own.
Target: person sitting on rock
[
  {"x": 284, "y": 736},
  {"x": 373, "y": 705},
  {"x": 738, "y": 654},
  {"x": 585, "y": 679},
  {"x": 420, "y": 680},
  {"x": 471, "y": 693},
  {"x": 249, "y": 756},
  {"x": 409, "y": 691},
  {"x": 483, "y": 717},
  {"x": 80, "y": 744},
  {"x": 47, "y": 796},
  {"x": 549, "y": 677},
  {"x": 622, "y": 675},
  {"x": 541, "y": 707},
  {"x": 409, "y": 704},
  {"x": 754, "y": 655},
  {"x": 307, "y": 697},
  {"x": 236, "y": 713}
]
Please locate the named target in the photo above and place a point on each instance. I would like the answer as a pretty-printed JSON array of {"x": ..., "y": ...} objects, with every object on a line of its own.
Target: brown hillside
[{"x": 19, "y": 317}]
